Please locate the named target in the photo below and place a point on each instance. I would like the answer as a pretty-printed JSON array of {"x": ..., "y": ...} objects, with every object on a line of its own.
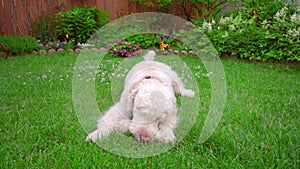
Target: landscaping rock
[
  {"x": 77, "y": 50},
  {"x": 42, "y": 51},
  {"x": 2, "y": 54},
  {"x": 176, "y": 52},
  {"x": 102, "y": 49},
  {"x": 171, "y": 50},
  {"x": 192, "y": 53},
  {"x": 34, "y": 52},
  {"x": 71, "y": 50},
  {"x": 95, "y": 49},
  {"x": 60, "y": 50},
  {"x": 184, "y": 52},
  {"x": 51, "y": 51},
  {"x": 86, "y": 49}
]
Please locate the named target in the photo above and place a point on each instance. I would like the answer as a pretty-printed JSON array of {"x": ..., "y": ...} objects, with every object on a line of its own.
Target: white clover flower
[
  {"x": 265, "y": 24},
  {"x": 295, "y": 18},
  {"x": 281, "y": 14},
  {"x": 213, "y": 22},
  {"x": 225, "y": 20},
  {"x": 44, "y": 77},
  {"x": 231, "y": 27},
  {"x": 225, "y": 35},
  {"x": 207, "y": 26}
]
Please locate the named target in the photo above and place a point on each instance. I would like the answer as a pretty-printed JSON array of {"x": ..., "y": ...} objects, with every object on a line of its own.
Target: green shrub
[
  {"x": 80, "y": 24},
  {"x": 274, "y": 39},
  {"x": 17, "y": 44}
]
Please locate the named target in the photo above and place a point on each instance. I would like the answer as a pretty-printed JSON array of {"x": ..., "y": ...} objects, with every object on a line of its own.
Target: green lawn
[{"x": 40, "y": 129}]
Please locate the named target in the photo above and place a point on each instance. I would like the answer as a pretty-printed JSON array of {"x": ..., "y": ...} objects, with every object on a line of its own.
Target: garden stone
[
  {"x": 2, "y": 54},
  {"x": 95, "y": 49},
  {"x": 171, "y": 50},
  {"x": 71, "y": 50},
  {"x": 176, "y": 52},
  {"x": 86, "y": 49},
  {"x": 42, "y": 51},
  {"x": 77, "y": 50},
  {"x": 51, "y": 51},
  {"x": 184, "y": 52},
  {"x": 34, "y": 52},
  {"x": 192, "y": 53},
  {"x": 60, "y": 50},
  {"x": 102, "y": 49}
]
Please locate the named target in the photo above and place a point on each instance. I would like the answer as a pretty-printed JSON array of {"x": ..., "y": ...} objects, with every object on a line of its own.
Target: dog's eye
[{"x": 147, "y": 77}]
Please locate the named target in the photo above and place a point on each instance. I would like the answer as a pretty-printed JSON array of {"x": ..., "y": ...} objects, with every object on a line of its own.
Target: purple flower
[{"x": 167, "y": 36}]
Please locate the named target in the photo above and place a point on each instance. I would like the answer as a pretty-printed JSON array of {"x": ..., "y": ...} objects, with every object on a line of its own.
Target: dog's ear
[
  {"x": 150, "y": 55},
  {"x": 134, "y": 88}
]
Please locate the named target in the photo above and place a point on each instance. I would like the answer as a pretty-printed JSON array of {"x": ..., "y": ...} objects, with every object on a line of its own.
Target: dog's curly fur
[{"x": 147, "y": 107}]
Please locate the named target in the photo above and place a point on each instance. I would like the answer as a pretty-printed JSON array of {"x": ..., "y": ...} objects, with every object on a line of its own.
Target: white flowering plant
[{"x": 251, "y": 37}]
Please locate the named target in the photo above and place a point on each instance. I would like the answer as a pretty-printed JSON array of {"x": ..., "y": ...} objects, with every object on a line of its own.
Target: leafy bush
[
  {"x": 80, "y": 23},
  {"x": 17, "y": 44},
  {"x": 273, "y": 39}
]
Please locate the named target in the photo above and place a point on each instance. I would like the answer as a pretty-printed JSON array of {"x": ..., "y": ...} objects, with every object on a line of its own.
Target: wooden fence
[{"x": 17, "y": 16}]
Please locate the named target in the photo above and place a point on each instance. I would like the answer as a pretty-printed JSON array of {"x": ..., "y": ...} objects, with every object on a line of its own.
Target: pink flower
[
  {"x": 117, "y": 50},
  {"x": 99, "y": 41},
  {"x": 58, "y": 41},
  {"x": 140, "y": 51},
  {"x": 118, "y": 43},
  {"x": 134, "y": 53},
  {"x": 112, "y": 52},
  {"x": 128, "y": 47},
  {"x": 127, "y": 55},
  {"x": 123, "y": 51}
]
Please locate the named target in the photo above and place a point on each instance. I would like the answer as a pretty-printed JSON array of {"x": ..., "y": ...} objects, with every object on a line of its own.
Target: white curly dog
[{"x": 147, "y": 107}]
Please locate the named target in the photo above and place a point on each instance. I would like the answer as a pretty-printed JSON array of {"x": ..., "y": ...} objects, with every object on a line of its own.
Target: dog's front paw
[
  {"x": 165, "y": 137},
  {"x": 93, "y": 136},
  {"x": 98, "y": 134}
]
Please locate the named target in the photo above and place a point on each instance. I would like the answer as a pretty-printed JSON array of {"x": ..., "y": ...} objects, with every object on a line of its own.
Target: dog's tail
[{"x": 150, "y": 55}]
